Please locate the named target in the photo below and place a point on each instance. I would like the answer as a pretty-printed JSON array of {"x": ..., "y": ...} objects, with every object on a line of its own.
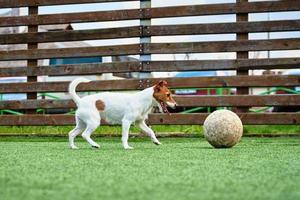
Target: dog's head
[{"x": 163, "y": 96}]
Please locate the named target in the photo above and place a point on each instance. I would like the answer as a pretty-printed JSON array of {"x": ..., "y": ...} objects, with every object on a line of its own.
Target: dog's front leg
[
  {"x": 143, "y": 126},
  {"x": 125, "y": 133}
]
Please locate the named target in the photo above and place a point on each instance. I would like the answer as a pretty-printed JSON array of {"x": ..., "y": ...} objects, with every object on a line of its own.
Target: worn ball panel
[{"x": 223, "y": 129}]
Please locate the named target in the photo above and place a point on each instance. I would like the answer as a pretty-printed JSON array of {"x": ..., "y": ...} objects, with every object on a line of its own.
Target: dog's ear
[
  {"x": 159, "y": 85},
  {"x": 162, "y": 83},
  {"x": 157, "y": 88}
]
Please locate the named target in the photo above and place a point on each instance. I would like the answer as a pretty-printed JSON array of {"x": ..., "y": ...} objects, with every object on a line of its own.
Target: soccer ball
[{"x": 223, "y": 129}]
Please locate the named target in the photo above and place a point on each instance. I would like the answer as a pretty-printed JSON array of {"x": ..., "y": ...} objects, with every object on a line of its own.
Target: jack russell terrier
[{"x": 117, "y": 108}]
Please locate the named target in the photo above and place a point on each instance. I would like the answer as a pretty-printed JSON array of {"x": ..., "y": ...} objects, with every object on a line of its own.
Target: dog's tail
[{"x": 72, "y": 88}]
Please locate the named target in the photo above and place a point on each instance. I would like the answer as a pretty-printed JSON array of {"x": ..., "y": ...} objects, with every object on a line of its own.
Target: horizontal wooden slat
[
  {"x": 227, "y": 8},
  {"x": 112, "y": 15},
  {"x": 73, "y": 69},
  {"x": 154, "y": 48},
  {"x": 150, "y": 66},
  {"x": 222, "y": 46},
  {"x": 204, "y": 65},
  {"x": 26, "y": 3},
  {"x": 132, "y": 84},
  {"x": 182, "y": 101},
  {"x": 219, "y": 28},
  {"x": 247, "y": 118},
  {"x": 194, "y": 10},
  {"x": 142, "y": 31},
  {"x": 180, "y": 119},
  {"x": 71, "y": 52},
  {"x": 33, "y": 104},
  {"x": 61, "y": 36},
  {"x": 239, "y": 100}
]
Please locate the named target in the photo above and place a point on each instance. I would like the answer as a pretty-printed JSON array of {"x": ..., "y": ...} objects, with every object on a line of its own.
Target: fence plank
[
  {"x": 180, "y": 119},
  {"x": 131, "y": 49},
  {"x": 247, "y": 118},
  {"x": 203, "y": 65},
  {"x": 136, "y": 31},
  {"x": 182, "y": 101},
  {"x": 150, "y": 66},
  {"x": 222, "y": 46},
  {"x": 219, "y": 28},
  {"x": 177, "y": 11},
  {"x": 239, "y": 100},
  {"x": 133, "y": 84},
  {"x": 34, "y": 104},
  {"x": 62, "y": 36},
  {"x": 26, "y": 3},
  {"x": 67, "y": 18},
  {"x": 73, "y": 69},
  {"x": 154, "y": 48},
  {"x": 227, "y": 8}
]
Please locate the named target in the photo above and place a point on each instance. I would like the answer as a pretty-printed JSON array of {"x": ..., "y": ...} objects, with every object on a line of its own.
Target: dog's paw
[
  {"x": 73, "y": 147},
  {"x": 96, "y": 146},
  {"x": 156, "y": 142},
  {"x": 128, "y": 148}
]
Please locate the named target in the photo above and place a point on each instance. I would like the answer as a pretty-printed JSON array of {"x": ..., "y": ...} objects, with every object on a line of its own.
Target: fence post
[
  {"x": 31, "y": 63},
  {"x": 145, "y": 4},
  {"x": 242, "y": 17}
]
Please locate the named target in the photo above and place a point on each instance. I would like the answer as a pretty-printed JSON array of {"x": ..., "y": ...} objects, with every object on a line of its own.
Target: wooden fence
[{"x": 242, "y": 64}]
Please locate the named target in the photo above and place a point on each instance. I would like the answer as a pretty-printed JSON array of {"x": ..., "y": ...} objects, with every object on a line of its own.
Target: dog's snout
[{"x": 172, "y": 104}]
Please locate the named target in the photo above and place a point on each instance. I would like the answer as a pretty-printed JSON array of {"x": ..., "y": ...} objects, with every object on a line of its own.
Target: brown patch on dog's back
[{"x": 100, "y": 105}]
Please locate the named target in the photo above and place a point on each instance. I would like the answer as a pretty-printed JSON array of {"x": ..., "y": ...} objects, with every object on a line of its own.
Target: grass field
[
  {"x": 116, "y": 130},
  {"x": 182, "y": 168}
]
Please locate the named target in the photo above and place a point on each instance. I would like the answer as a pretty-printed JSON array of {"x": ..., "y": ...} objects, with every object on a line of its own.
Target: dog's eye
[{"x": 168, "y": 95}]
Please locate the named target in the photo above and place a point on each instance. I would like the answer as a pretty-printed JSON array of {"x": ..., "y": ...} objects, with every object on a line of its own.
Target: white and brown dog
[{"x": 117, "y": 108}]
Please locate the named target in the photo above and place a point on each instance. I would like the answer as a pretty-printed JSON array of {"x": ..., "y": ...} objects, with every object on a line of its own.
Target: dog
[{"x": 117, "y": 108}]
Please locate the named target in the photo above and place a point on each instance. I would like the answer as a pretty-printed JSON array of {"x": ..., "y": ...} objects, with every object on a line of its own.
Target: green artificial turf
[
  {"x": 169, "y": 129},
  {"x": 34, "y": 168}
]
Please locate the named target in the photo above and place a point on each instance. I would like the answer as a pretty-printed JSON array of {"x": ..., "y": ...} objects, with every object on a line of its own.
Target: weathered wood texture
[
  {"x": 222, "y": 46},
  {"x": 32, "y": 63},
  {"x": 154, "y": 48},
  {"x": 247, "y": 118},
  {"x": 180, "y": 119},
  {"x": 220, "y": 28},
  {"x": 177, "y": 11},
  {"x": 142, "y": 31},
  {"x": 242, "y": 64},
  {"x": 133, "y": 84},
  {"x": 71, "y": 52},
  {"x": 25, "y": 3},
  {"x": 242, "y": 54},
  {"x": 234, "y": 100},
  {"x": 69, "y": 35},
  {"x": 149, "y": 66},
  {"x": 228, "y": 8}
]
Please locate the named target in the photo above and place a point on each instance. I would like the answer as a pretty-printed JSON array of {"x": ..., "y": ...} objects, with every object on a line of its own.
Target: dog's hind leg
[
  {"x": 80, "y": 126},
  {"x": 92, "y": 124},
  {"x": 125, "y": 133},
  {"x": 87, "y": 136}
]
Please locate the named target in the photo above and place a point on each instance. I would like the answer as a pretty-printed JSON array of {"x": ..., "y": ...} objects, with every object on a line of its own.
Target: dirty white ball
[{"x": 223, "y": 129}]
